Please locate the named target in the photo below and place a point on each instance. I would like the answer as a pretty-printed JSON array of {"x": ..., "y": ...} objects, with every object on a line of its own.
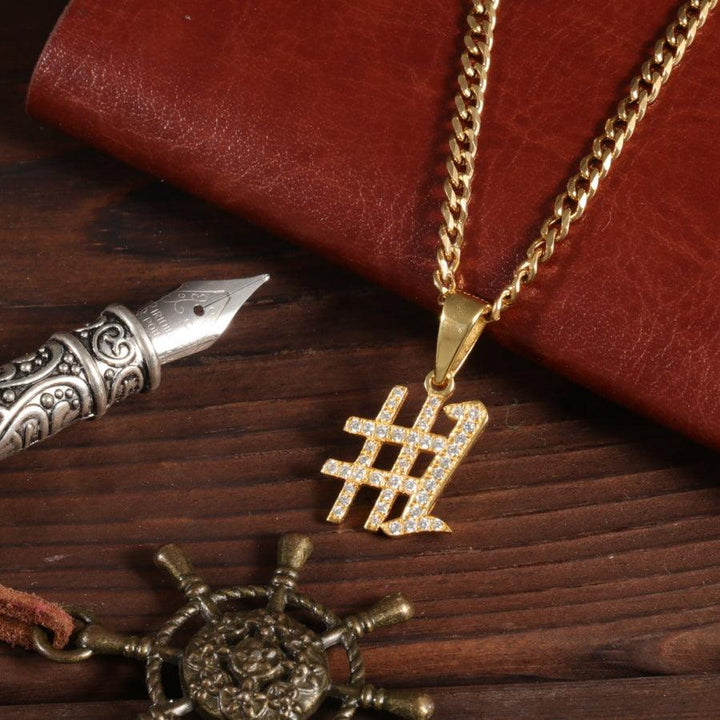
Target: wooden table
[{"x": 582, "y": 580}]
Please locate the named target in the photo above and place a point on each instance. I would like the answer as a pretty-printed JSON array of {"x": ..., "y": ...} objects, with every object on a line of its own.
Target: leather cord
[{"x": 21, "y": 612}]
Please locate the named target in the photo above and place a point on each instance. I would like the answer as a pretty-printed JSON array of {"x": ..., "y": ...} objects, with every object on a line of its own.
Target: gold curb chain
[{"x": 581, "y": 187}]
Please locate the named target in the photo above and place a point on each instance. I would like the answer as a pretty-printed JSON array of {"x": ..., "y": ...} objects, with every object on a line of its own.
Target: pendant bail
[{"x": 462, "y": 321}]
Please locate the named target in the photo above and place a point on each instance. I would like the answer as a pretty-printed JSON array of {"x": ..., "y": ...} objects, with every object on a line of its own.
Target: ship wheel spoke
[
  {"x": 405, "y": 704},
  {"x": 293, "y": 552},
  {"x": 171, "y": 655},
  {"x": 390, "y": 610},
  {"x": 177, "y": 564}
]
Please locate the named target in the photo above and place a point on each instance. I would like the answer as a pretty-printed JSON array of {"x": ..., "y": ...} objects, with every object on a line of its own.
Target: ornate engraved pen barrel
[
  {"x": 80, "y": 374},
  {"x": 74, "y": 376}
]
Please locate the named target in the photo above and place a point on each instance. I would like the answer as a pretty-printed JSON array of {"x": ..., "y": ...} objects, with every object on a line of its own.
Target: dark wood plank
[
  {"x": 694, "y": 697},
  {"x": 584, "y": 559}
]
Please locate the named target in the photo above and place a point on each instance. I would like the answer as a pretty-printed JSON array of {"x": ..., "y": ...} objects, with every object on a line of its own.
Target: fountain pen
[{"x": 80, "y": 374}]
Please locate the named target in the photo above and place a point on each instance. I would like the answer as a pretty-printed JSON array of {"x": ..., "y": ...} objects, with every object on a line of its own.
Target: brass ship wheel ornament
[{"x": 251, "y": 664}]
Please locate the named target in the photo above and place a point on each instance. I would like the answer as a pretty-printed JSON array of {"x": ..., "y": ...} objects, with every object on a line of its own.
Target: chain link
[
  {"x": 469, "y": 103},
  {"x": 594, "y": 167}
]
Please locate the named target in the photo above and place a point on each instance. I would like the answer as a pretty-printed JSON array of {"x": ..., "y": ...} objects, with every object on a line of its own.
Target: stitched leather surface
[{"x": 328, "y": 124}]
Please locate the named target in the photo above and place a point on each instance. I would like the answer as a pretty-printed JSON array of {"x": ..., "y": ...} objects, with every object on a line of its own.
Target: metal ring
[
  {"x": 445, "y": 391},
  {"x": 147, "y": 349},
  {"x": 43, "y": 645}
]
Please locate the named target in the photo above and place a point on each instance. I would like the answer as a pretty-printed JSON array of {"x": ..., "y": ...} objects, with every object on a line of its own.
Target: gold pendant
[{"x": 461, "y": 323}]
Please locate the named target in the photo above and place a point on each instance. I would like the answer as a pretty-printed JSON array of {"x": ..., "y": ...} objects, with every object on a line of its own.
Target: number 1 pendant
[{"x": 461, "y": 323}]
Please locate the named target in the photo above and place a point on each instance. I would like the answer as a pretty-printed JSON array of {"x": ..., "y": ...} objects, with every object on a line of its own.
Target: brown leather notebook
[{"x": 327, "y": 122}]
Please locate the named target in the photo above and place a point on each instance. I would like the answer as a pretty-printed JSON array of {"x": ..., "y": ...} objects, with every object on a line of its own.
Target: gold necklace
[{"x": 464, "y": 317}]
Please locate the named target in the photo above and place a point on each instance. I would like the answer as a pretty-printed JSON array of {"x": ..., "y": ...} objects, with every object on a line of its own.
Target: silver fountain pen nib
[{"x": 191, "y": 318}]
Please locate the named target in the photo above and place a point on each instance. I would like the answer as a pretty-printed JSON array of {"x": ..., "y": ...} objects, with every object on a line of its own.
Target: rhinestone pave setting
[{"x": 423, "y": 491}]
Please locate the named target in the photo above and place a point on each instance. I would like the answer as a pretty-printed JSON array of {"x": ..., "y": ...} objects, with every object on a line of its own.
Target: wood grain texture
[{"x": 581, "y": 581}]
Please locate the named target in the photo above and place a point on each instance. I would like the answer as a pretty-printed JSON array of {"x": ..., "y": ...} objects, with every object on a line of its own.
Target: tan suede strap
[{"x": 21, "y": 612}]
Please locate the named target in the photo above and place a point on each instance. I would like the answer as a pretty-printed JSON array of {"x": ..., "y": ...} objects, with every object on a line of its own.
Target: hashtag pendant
[{"x": 421, "y": 491}]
